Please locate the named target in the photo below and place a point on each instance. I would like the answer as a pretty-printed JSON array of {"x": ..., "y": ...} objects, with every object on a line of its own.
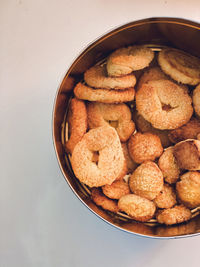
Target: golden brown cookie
[
  {"x": 164, "y": 104},
  {"x": 143, "y": 147},
  {"x": 104, "y": 142},
  {"x": 181, "y": 66},
  {"x": 77, "y": 120},
  {"x": 188, "y": 189},
  {"x": 189, "y": 130},
  {"x": 131, "y": 165},
  {"x": 125, "y": 60},
  {"x": 177, "y": 214},
  {"x": 196, "y": 100},
  {"x": 97, "y": 77},
  {"x": 187, "y": 154},
  {"x": 116, "y": 115},
  {"x": 166, "y": 198},
  {"x": 144, "y": 126},
  {"x": 85, "y": 92},
  {"x": 147, "y": 180},
  {"x": 139, "y": 208},
  {"x": 116, "y": 190},
  {"x": 152, "y": 74},
  {"x": 101, "y": 200},
  {"x": 168, "y": 165}
]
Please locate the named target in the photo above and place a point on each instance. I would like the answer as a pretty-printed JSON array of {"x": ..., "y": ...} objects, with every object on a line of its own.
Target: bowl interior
[{"x": 171, "y": 32}]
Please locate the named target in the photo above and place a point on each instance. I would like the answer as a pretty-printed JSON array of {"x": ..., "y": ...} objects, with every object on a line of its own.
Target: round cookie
[
  {"x": 168, "y": 165},
  {"x": 125, "y": 60},
  {"x": 104, "y": 142},
  {"x": 181, "y": 66},
  {"x": 166, "y": 198},
  {"x": 147, "y": 180},
  {"x": 177, "y": 214},
  {"x": 97, "y": 77},
  {"x": 144, "y": 147},
  {"x": 188, "y": 189},
  {"x": 116, "y": 115},
  {"x": 187, "y": 154},
  {"x": 85, "y": 92},
  {"x": 189, "y": 130},
  {"x": 139, "y": 208},
  {"x": 101, "y": 200},
  {"x": 164, "y": 104},
  {"x": 116, "y": 190}
]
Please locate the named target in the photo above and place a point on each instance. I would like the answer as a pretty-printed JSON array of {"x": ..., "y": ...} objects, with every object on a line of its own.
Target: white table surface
[{"x": 42, "y": 223}]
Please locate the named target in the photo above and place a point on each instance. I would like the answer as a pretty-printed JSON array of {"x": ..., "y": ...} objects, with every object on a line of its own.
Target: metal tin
[{"x": 173, "y": 32}]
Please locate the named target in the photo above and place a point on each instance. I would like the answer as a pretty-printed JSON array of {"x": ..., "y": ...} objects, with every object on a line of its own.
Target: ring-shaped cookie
[
  {"x": 125, "y": 60},
  {"x": 105, "y": 142},
  {"x": 85, "y": 92},
  {"x": 164, "y": 104},
  {"x": 97, "y": 77},
  {"x": 77, "y": 120},
  {"x": 181, "y": 66},
  {"x": 117, "y": 115}
]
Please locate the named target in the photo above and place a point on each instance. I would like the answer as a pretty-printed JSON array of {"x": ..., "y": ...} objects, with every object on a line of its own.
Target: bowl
[{"x": 156, "y": 32}]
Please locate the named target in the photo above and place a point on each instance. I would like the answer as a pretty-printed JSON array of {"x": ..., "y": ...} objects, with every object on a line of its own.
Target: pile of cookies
[{"x": 134, "y": 133}]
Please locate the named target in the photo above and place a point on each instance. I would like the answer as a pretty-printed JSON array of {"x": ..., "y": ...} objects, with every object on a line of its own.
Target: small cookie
[
  {"x": 102, "y": 201},
  {"x": 97, "y": 77},
  {"x": 152, "y": 74},
  {"x": 147, "y": 180},
  {"x": 166, "y": 198},
  {"x": 85, "y": 92},
  {"x": 175, "y": 215},
  {"x": 125, "y": 60},
  {"x": 77, "y": 119},
  {"x": 168, "y": 165},
  {"x": 116, "y": 115},
  {"x": 143, "y": 147},
  {"x": 187, "y": 154},
  {"x": 116, "y": 190},
  {"x": 139, "y": 208},
  {"x": 188, "y": 189},
  {"x": 189, "y": 130},
  {"x": 164, "y": 104},
  {"x": 181, "y": 66}
]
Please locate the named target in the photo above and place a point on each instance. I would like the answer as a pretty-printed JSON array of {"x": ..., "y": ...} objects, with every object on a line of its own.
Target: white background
[{"x": 42, "y": 223}]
